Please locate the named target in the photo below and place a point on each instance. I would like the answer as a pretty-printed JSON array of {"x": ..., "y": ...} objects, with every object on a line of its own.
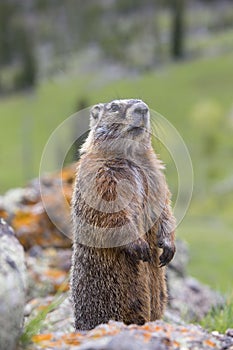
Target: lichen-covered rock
[
  {"x": 39, "y": 213},
  {"x": 12, "y": 287},
  {"x": 48, "y": 271},
  {"x": 151, "y": 336}
]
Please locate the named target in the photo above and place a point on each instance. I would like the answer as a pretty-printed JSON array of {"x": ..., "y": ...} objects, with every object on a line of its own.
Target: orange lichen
[
  {"x": 151, "y": 328},
  {"x": 57, "y": 278},
  {"x": 55, "y": 273},
  {"x": 184, "y": 330},
  {"x": 147, "y": 336},
  {"x": 176, "y": 344},
  {"x": 41, "y": 337},
  {"x": 210, "y": 343},
  {"x": 3, "y": 214},
  {"x": 53, "y": 344},
  {"x": 32, "y": 229},
  {"x": 98, "y": 333},
  {"x": 101, "y": 332},
  {"x": 72, "y": 338},
  {"x": 24, "y": 218}
]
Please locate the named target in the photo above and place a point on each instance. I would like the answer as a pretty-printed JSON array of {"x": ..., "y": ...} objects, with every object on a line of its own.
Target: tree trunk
[{"x": 177, "y": 34}]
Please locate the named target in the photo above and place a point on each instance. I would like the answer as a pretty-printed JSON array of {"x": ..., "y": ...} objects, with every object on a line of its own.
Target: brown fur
[{"x": 122, "y": 219}]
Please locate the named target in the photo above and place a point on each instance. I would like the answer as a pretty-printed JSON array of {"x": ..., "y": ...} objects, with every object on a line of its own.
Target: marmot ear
[{"x": 96, "y": 110}]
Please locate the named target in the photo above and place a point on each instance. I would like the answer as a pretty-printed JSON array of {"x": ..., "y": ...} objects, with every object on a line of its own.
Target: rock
[
  {"x": 181, "y": 258},
  {"x": 12, "y": 287},
  {"x": 48, "y": 271},
  {"x": 40, "y": 213},
  {"x": 123, "y": 342},
  {"x": 229, "y": 332},
  {"x": 188, "y": 298},
  {"x": 156, "y": 335},
  {"x": 33, "y": 227},
  {"x": 12, "y": 199}
]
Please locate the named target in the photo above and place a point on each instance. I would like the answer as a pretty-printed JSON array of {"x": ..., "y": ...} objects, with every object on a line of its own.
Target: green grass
[
  {"x": 36, "y": 323},
  {"x": 219, "y": 319},
  {"x": 27, "y": 121},
  {"x": 210, "y": 243},
  {"x": 176, "y": 91}
]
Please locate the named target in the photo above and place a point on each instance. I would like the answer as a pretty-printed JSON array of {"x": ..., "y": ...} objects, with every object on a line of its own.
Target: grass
[
  {"x": 176, "y": 91},
  {"x": 27, "y": 121},
  {"x": 210, "y": 243},
  {"x": 35, "y": 324},
  {"x": 219, "y": 319}
]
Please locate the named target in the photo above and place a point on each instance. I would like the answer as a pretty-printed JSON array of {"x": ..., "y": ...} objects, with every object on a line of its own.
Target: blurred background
[{"x": 57, "y": 57}]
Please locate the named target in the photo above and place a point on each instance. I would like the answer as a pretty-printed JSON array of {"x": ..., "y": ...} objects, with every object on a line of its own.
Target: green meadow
[{"x": 196, "y": 97}]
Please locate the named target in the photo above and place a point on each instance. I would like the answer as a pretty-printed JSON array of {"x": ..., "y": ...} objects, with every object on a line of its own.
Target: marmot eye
[{"x": 115, "y": 107}]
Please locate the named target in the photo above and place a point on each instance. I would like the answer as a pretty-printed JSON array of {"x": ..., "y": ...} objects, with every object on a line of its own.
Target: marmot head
[{"x": 117, "y": 123}]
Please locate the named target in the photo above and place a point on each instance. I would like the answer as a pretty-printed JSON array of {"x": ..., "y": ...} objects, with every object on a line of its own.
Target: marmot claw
[{"x": 167, "y": 255}]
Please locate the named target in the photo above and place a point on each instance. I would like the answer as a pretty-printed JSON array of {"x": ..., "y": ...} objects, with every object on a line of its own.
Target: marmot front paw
[
  {"x": 139, "y": 250},
  {"x": 169, "y": 250}
]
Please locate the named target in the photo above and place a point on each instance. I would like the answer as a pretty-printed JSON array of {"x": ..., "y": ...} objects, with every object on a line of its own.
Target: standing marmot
[{"x": 122, "y": 218}]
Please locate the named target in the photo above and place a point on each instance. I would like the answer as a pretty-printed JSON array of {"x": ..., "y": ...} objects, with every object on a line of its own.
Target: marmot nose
[{"x": 141, "y": 109}]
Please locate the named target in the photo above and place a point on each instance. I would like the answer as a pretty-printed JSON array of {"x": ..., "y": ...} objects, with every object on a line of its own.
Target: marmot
[{"x": 122, "y": 219}]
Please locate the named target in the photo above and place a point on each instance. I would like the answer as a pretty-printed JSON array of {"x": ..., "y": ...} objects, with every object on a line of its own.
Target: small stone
[
  {"x": 35, "y": 251},
  {"x": 217, "y": 334},
  {"x": 229, "y": 332}
]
